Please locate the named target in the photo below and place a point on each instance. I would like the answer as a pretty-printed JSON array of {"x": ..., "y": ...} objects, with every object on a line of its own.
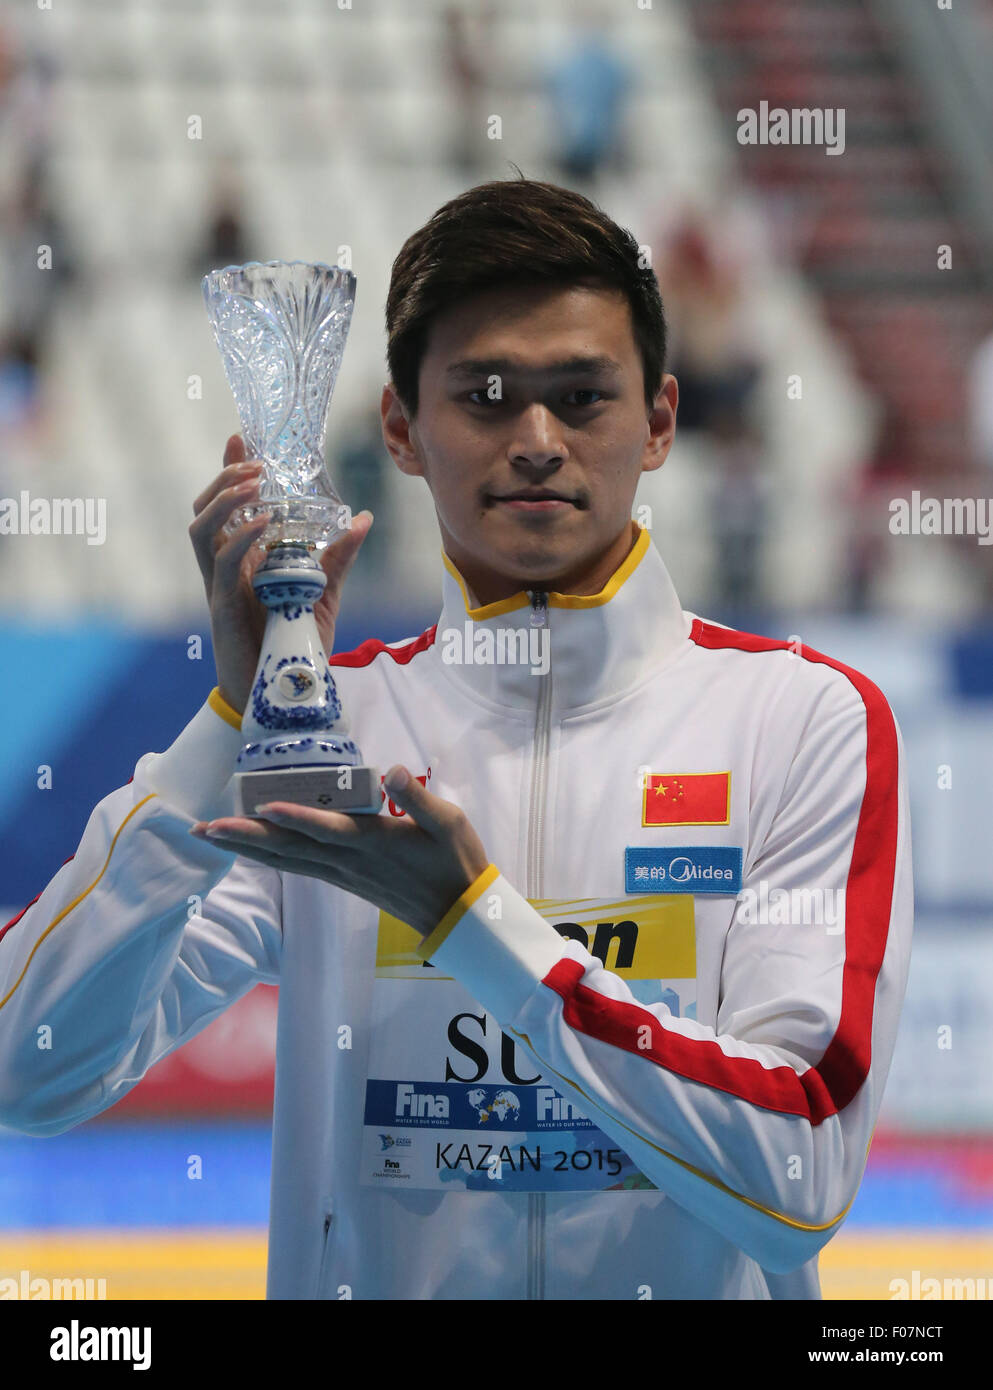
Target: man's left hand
[{"x": 414, "y": 867}]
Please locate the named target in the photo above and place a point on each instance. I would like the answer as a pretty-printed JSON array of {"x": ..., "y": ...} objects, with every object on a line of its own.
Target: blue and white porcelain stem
[{"x": 294, "y": 722}]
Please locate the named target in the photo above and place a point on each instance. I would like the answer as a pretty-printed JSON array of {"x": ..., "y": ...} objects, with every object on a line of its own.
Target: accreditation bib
[{"x": 453, "y": 1101}]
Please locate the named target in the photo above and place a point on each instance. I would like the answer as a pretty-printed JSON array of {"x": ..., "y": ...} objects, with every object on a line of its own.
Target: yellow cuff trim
[
  {"x": 457, "y": 911},
  {"x": 220, "y": 706}
]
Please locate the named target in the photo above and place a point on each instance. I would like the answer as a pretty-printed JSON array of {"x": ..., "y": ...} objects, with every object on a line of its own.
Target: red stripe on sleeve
[
  {"x": 14, "y": 920},
  {"x": 618, "y": 1023},
  {"x": 823, "y": 1090}
]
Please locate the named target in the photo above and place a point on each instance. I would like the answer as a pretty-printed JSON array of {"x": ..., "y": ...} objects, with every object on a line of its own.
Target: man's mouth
[{"x": 535, "y": 499}]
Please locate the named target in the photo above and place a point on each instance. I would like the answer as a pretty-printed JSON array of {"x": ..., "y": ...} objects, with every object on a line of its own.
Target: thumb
[
  {"x": 428, "y": 811},
  {"x": 339, "y": 557}
]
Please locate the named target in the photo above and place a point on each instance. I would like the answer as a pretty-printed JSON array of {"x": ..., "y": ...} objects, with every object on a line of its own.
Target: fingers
[
  {"x": 226, "y": 560},
  {"x": 234, "y": 450},
  {"x": 235, "y": 486},
  {"x": 296, "y": 834},
  {"x": 247, "y": 831},
  {"x": 325, "y": 827},
  {"x": 285, "y": 863},
  {"x": 231, "y": 474}
]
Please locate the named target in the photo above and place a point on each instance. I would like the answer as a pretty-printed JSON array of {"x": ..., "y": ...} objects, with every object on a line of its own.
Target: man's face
[{"x": 524, "y": 393}]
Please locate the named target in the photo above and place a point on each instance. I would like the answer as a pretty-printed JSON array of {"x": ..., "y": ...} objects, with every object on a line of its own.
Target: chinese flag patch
[{"x": 686, "y": 798}]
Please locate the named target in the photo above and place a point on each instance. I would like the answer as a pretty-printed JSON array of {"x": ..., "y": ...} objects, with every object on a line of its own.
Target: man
[{"x": 602, "y": 1004}]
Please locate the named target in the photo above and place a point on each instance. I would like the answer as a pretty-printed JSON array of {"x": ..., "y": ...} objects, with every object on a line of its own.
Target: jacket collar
[{"x": 595, "y": 646}]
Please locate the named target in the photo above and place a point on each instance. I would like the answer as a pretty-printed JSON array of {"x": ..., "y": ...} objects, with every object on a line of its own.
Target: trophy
[{"x": 281, "y": 329}]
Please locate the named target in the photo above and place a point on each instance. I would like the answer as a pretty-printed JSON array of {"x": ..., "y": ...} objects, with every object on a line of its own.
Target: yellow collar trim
[{"x": 556, "y": 600}]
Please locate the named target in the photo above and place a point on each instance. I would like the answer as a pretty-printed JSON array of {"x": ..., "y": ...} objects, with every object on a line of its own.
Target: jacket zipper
[
  {"x": 325, "y": 1252},
  {"x": 535, "y": 876}
]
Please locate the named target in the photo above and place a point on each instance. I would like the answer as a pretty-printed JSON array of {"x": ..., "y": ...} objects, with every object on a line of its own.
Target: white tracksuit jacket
[{"x": 641, "y": 1057}]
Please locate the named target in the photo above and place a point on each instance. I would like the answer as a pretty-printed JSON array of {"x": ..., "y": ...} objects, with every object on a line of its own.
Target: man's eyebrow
[{"x": 507, "y": 366}]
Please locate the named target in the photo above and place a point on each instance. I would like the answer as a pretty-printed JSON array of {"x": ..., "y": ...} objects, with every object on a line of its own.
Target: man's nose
[{"x": 538, "y": 438}]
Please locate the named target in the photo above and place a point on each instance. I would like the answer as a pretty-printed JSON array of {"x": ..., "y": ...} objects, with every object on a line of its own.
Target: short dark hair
[{"x": 520, "y": 228}]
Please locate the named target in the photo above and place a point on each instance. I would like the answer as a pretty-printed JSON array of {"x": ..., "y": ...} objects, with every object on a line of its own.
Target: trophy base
[{"x": 309, "y": 786}]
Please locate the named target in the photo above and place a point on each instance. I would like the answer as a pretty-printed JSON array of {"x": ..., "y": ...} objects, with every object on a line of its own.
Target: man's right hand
[{"x": 228, "y": 562}]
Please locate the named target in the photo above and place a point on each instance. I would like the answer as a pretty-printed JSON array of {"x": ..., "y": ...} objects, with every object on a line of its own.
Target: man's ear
[
  {"x": 396, "y": 433},
  {"x": 661, "y": 425}
]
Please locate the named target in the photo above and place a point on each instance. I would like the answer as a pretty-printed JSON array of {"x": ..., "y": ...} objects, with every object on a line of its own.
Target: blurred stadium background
[{"x": 832, "y": 322}]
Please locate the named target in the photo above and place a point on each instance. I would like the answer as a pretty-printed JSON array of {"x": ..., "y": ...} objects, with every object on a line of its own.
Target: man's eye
[{"x": 582, "y": 396}]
